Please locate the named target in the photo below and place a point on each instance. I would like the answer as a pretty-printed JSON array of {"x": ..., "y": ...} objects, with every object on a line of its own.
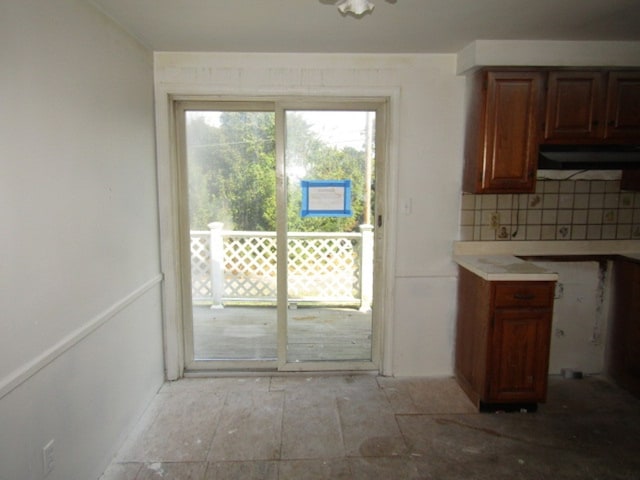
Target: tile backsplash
[{"x": 558, "y": 210}]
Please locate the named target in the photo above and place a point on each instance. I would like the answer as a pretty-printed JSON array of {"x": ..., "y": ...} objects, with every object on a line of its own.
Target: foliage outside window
[{"x": 232, "y": 172}]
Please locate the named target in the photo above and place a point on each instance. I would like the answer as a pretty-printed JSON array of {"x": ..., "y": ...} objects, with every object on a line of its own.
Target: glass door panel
[
  {"x": 230, "y": 180},
  {"x": 329, "y": 165},
  {"x": 276, "y": 214}
]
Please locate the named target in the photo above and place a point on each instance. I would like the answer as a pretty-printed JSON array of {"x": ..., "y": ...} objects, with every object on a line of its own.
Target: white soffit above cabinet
[{"x": 487, "y": 53}]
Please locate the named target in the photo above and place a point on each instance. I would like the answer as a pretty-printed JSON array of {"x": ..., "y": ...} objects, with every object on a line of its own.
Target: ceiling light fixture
[{"x": 357, "y": 7}]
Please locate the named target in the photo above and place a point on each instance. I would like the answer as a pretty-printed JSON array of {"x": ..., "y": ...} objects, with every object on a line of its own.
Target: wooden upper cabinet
[
  {"x": 501, "y": 149},
  {"x": 592, "y": 107},
  {"x": 630, "y": 180},
  {"x": 623, "y": 107},
  {"x": 574, "y": 107},
  {"x": 511, "y": 112}
]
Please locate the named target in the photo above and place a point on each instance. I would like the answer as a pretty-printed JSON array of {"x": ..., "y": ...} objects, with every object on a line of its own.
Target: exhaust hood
[{"x": 589, "y": 157}]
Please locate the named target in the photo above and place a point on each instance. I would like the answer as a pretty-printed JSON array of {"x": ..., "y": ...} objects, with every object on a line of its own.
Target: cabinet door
[
  {"x": 575, "y": 107},
  {"x": 630, "y": 180},
  {"x": 511, "y": 128},
  {"x": 624, "y": 336},
  {"x": 623, "y": 107},
  {"x": 520, "y": 357}
]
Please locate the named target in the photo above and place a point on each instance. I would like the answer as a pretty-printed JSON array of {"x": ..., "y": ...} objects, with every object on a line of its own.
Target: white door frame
[{"x": 169, "y": 207}]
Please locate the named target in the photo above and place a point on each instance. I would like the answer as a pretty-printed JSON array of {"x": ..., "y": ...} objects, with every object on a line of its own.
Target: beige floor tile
[
  {"x": 527, "y": 446},
  {"x": 369, "y": 426},
  {"x": 329, "y": 469},
  {"x": 253, "y": 470},
  {"x": 385, "y": 469},
  {"x": 250, "y": 427},
  {"x": 590, "y": 394},
  {"x": 311, "y": 425},
  {"x": 397, "y": 392},
  {"x": 359, "y": 427},
  {"x": 181, "y": 431},
  {"x": 426, "y": 396},
  {"x": 173, "y": 471},
  {"x": 440, "y": 395},
  {"x": 448, "y": 436},
  {"x": 218, "y": 384},
  {"x": 121, "y": 471},
  {"x": 324, "y": 383}
]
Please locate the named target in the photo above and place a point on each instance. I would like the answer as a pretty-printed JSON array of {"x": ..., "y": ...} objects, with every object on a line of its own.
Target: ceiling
[{"x": 394, "y": 26}]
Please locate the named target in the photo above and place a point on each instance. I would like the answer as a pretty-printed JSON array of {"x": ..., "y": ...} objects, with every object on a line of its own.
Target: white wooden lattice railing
[{"x": 236, "y": 266}]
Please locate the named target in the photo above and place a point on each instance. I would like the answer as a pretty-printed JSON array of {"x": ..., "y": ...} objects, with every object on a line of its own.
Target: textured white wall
[
  {"x": 80, "y": 323},
  {"x": 579, "y": 327},
  {"x": 425, "y": 165}
]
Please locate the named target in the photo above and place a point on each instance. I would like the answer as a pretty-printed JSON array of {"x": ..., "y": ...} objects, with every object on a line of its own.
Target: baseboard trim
[{"x": 29, "y": 369}]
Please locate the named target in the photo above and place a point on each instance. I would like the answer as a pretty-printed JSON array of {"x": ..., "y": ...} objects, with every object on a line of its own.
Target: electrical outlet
[
  {"x": 495, "y": 220},
  {"x": 48, "y": 458}
]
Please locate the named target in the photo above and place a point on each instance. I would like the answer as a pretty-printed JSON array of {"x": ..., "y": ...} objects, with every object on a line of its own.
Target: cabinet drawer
[{"x": 524, "y": 294}]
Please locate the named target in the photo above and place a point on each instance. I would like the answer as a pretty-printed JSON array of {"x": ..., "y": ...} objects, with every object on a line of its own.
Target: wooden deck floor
[{"x": 249, "y": 333}]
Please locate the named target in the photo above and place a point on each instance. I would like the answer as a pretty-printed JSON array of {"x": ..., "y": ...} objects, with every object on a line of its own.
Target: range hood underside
[{"x": 589, "y": 158}]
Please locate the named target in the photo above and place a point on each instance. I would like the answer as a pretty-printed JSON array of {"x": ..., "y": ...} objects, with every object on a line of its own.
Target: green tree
[
  {"x": 231, "y": 172},
  {"x": 247, "y": 179},
  {"x": 205, "y": 203}
]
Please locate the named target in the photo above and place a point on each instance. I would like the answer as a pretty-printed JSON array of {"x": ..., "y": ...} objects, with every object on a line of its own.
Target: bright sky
[{"x": 338, "y": 128}]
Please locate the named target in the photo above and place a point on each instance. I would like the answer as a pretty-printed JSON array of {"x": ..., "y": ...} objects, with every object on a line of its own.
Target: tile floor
[{"x": 368, "y": 427}]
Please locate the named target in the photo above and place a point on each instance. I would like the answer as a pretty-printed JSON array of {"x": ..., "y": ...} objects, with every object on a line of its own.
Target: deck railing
[{"x": 240, "y": 267}]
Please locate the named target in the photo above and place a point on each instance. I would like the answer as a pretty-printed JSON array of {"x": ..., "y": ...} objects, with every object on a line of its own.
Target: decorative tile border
[{"x": 558, "y": 210}]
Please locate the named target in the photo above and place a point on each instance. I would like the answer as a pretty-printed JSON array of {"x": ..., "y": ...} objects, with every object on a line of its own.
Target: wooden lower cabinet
[
  {"x": 503, "y": 339},
  {"x": 623, "y": 363}
]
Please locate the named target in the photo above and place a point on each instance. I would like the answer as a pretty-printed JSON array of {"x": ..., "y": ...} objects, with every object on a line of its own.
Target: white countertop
[
  {"x": 498, "y": 260},
  {"x": 504, "y": 268}
]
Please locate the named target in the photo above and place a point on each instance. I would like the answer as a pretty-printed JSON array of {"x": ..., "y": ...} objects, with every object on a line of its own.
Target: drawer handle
[{"x": 524, "y": 296}]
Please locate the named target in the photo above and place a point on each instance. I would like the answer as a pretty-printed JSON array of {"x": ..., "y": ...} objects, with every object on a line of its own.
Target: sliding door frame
[
  {"x": 379, "y": 106},
  {"x": 278, "y": 104}
]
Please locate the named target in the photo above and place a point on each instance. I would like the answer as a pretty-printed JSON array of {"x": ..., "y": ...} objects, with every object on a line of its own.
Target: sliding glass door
[
  {"x": 329, "y": 157},
  {"x": 276, "y": 208}
]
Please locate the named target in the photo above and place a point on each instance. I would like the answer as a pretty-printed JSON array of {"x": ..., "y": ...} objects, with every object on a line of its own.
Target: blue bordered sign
[{"x": 326, "y": 198}]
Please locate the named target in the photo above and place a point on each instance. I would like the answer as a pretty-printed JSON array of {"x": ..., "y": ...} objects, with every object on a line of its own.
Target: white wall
[
  {"x": 550, "y": 53},
  {"x": 579, "y": 327},
  {"x": 80, "y": 321},
  {"x": 425, "y": 168}
]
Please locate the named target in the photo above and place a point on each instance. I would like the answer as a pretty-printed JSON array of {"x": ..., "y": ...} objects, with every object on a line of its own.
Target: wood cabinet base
[
  {"x": 503, "y": 340},
  {"x": 623, "y": 363}
]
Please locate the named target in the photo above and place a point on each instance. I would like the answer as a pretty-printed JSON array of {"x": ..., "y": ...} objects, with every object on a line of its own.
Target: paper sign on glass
[{"x": 326, "y": 198}]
